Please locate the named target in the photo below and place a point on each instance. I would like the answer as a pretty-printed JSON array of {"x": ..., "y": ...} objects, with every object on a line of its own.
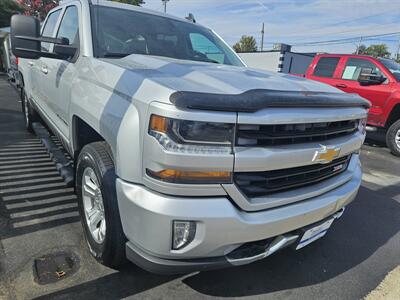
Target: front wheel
[
  {"x": 98, "y": 206},
  {"x": 393, "y": 138}
]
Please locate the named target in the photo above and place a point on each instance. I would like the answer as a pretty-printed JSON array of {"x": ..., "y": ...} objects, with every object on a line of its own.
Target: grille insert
[
  {"x": 285, "y": 134},
  {"x": 256, "y": 184}
]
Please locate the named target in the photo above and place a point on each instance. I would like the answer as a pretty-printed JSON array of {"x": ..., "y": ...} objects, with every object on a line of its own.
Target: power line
[
  {"x": 345, "y": 39},
  {"x": 343, "y": 22}
]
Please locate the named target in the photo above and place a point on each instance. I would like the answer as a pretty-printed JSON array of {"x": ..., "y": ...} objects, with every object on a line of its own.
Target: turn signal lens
[
  {"x": 175, "y": 176},
  {"x": 159, "y": 124}
]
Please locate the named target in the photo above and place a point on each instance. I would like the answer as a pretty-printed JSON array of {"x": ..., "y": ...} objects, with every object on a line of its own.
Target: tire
[
  {"x": 30, "y": 115},
  {"x": 393, "y": 138},
  {"x": 107, "y": 244}
]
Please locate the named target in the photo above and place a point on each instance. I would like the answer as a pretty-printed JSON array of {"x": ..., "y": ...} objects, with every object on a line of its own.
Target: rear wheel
[
  {"x": 30, "y": 115},
  {"x": 98, "y": 206},
  {"x": 393, "y": 138}
]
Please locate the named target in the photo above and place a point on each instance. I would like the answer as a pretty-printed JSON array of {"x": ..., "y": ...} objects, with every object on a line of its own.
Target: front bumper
[{"x": 147, "y": 218}]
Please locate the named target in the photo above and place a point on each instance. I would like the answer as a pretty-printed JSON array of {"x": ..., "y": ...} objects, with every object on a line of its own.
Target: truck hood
[
  {"x": 179, "y": 75},
  {"x": 169, "y": 78}
]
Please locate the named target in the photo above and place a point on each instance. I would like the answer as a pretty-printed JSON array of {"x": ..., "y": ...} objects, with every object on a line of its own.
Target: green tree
[
  {"x": 132, "y": 2},
  {"x": 378, "y": 50},
  {"x": 246, "y": 44},
  {"x": 7, "y": 9}
]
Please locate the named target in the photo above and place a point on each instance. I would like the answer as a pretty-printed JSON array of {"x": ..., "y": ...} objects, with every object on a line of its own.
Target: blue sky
[{"x": 292, "y": 21}]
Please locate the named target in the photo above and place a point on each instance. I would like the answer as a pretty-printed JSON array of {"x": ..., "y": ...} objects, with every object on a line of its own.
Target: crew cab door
[
  {"x": 35, "y": 67},
  {"x": 376, "y": 94},
  {"x": 59, "y": 73}
]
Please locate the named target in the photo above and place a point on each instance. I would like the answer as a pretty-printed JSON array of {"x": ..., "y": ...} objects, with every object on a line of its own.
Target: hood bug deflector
[{"x": 254, "y": 100}]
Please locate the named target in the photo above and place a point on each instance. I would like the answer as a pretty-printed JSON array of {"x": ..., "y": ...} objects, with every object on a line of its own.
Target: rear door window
[
  {"x": 326, "y": 67},
  {"x": 48, "y": 29}
]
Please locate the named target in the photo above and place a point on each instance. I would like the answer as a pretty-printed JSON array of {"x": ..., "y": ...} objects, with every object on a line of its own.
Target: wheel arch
[
  {"x": 83, "y": 133},
  {"x": 393, "y": 116}
]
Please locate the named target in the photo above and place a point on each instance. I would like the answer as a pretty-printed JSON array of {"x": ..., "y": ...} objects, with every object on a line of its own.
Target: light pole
[
  {"x": 262, "y": 37},
  {"x": 359, "y": 45},
  {"x": 165, "y": 5}
]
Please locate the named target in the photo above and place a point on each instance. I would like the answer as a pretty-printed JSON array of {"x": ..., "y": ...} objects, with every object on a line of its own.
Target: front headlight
[
  {"x": 192, "y": 136},
  {"x": 362, "y": 125}
]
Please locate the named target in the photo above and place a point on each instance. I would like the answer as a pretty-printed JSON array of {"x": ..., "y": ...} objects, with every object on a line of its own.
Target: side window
[
  {"x": 49, "y": 27},
  {"x": 354, "y": 66},
  {"x": 326, "y": 66},
  {"x": 69, "y": 25},
  {"x": 203, "y": 46}
]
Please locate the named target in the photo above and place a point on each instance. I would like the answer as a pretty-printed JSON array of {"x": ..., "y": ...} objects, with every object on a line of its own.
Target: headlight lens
[
  {"x": 193, "y": 132},
  {"x": 362, "y": 125}
]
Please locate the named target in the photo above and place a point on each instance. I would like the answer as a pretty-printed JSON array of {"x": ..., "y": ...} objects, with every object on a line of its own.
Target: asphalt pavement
[{"x": 38, "y": 217}]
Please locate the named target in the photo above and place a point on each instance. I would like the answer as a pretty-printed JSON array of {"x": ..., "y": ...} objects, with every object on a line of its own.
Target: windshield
[
  {"x": 121, "y": 32},
  {"x": 392, "y": 66}
]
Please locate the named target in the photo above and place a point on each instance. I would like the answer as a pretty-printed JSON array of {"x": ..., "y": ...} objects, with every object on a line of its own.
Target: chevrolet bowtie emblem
[{"x": 326, "y": 155}]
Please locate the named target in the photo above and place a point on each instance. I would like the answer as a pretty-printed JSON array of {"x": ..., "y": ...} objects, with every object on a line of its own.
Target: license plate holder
[{"x": 314, "y": 233}]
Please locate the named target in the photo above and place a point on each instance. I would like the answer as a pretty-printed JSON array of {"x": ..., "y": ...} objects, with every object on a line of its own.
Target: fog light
[
  {"x": 362, "y": 125},
  {"x": 183, "y": 234}
]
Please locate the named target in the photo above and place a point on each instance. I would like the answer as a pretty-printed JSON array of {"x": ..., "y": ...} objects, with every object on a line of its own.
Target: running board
[{"x": 63, "y": 165}]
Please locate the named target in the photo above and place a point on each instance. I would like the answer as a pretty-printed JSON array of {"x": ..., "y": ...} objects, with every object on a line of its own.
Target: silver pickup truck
[{"x": 185, "y": 159}]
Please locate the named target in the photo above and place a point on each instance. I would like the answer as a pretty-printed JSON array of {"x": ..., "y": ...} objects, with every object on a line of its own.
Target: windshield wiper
[
  {"x": 115, "y": 54},
  {"x": 206, "y": 60},
  {"x": 213, "y": 61}
]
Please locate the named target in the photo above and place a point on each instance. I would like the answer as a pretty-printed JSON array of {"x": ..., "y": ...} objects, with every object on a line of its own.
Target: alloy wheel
[{"x": 93, "y": 205}]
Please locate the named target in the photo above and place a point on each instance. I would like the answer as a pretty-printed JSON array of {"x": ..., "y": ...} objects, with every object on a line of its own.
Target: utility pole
[
  {"x": 165, "y": 5},
  {"x": 262, "y": 37},
  {"x": 397, "y": 52},
  {"x": 359, "y": 45}
]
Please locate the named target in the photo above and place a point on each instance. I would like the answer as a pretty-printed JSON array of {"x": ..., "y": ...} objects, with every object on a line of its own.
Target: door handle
[
  {"x": 31, "y": 63},
  {"x": 341, "y": 85},
  {"x": 44, "y": 70}
]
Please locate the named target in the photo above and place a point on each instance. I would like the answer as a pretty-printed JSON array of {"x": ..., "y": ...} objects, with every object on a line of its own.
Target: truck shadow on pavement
[
  {"x": 367, "y": 224},
  {"x": 33, "y": 196}
]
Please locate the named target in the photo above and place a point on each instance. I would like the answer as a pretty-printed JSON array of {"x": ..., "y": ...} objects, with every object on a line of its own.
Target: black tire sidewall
[
  {"x": 105, "y": 252},
  {"x": 28, "y": 123},
  {"x": 391, "y": 136}
]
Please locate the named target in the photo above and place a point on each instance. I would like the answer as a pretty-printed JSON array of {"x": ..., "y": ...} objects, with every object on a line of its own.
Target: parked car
[
  {"x": 185, "y": 159},
  {"x": 13, "y": 65},
  {"x": 375, "y": 79}
]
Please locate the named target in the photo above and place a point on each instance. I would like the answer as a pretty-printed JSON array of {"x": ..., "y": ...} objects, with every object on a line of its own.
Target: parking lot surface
[{"x": 38, "y": 217}]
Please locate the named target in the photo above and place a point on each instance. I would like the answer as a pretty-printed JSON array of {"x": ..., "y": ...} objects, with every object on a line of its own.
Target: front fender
[{"x": 101, "y": 97}]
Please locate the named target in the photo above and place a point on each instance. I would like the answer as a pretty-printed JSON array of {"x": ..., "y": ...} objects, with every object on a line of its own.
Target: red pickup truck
[{"x": 375, "y": 79}]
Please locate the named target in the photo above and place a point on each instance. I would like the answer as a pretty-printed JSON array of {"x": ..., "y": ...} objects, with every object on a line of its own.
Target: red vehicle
[{"x": 375, "y": 79}]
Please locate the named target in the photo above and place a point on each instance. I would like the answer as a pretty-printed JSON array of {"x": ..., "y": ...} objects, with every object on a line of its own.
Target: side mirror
[
  {"x": 26, "y": 39},
  {"x": 366, "y": 77},
  {"x": 25, "y": 34}
]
